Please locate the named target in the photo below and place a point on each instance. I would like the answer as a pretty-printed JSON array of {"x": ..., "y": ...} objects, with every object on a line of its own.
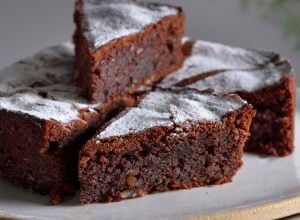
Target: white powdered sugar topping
[
  {"x": 235, "y": 69},
  {"x": 42, "y": 86},
  {"x": 235, "y": 81},
  {"x": 166, "y": 108},
  {"x": 39, "y": 107},
  {"x": 106, "y": 20}
]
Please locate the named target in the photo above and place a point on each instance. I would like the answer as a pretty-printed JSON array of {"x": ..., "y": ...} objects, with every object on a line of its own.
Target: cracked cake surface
[
  {"x": 42, "y": 86},
  {"x": 163, "y": 108},
  {"x": 228, "y": 69}
]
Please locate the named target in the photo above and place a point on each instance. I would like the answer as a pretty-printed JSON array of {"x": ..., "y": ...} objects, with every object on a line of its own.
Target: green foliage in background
[{"x": 285, "y": 13}]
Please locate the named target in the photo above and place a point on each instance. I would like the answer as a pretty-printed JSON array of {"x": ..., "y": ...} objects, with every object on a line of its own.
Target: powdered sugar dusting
[
  {"x": 106, "y": 20},
  {"x": 234, "y": 81},
  {"x": 166, "y": 108},
  {"x": 34, "y": 105},
  {"x": 178, "y": 115},
  {"x": 241, "y": 69},
  {"x": 42, "y": 86}
]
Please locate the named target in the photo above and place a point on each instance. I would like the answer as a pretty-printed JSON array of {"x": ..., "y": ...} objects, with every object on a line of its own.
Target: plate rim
[{"x": 273, "y": 210}]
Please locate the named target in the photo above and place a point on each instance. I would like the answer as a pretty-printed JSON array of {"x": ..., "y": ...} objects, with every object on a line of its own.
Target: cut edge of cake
[
  {"x": 142, "y": 57},
  {"x": 264, "y": 78},
  {"x": 183, "y": 129}
]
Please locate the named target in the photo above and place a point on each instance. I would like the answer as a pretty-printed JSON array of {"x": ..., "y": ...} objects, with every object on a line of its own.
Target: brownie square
[
  {"x": 44, "y": 122},
  {"x": 121, "y": 45},
  {"x": 265, "y": 79},
  {"x": 173, "y": 139}
]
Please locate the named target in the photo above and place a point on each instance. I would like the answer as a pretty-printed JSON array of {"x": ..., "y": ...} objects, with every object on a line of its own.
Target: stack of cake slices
[{"x": 135, "y": 108}]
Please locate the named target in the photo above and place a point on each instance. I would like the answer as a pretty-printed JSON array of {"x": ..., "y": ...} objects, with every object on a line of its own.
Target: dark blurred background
[{"x": 27, "y": 26}]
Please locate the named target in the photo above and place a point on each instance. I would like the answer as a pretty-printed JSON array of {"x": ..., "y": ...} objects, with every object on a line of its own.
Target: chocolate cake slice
[
  {"x": 122, "y": 44},
  {"x": 44, "y": 122},
  {"x": 265, "y": 79},
  {"x": 170, "y": 140}
]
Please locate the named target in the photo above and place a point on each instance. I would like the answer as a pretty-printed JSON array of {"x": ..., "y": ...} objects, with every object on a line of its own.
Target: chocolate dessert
[
  {"x": 265, "y": 79},
  {"x": 44, "y": 122},
  {"x": 173, "y": 139},
  {"x": 122, "y": 44}
]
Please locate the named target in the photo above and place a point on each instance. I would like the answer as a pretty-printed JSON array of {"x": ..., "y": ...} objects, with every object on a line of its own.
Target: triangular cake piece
[
  {"x": 265, "y": 79},
  {"x": 122, "y": 44},
  {"x": 44, "y": 122},
  {"x": 173, "y": 139}
]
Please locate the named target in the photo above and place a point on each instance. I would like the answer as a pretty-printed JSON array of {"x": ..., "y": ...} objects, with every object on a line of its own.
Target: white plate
[{"x": 264, "y": 188}]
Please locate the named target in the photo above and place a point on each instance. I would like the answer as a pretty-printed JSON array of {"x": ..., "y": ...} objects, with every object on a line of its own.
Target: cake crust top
[
  {"x": 169, "y": 107},
  {"x": 105, "y": 20},
  {"x": 42, "y": 86},
  {"x": 228, "y": 69}
]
